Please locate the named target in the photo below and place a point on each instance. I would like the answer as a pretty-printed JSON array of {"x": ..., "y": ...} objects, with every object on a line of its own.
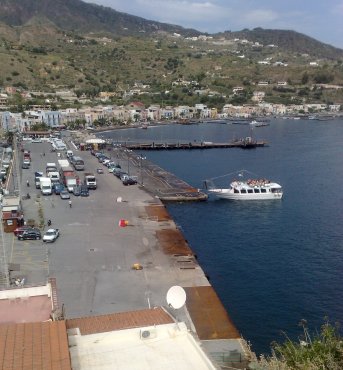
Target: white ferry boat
[{"x": 251, "y": 189}]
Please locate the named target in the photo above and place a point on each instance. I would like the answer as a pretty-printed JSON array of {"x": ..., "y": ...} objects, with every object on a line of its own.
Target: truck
[
  {"x": 69, "y": 178},
  {"x": 70, "y": 183},
  {"x": 54, "y": 176},
  {"x": 50, "y": 167},
  {"x": 90, "y": 180},
  {"x": 45, "y": 185},
  {"x": 63, "y": 163}
]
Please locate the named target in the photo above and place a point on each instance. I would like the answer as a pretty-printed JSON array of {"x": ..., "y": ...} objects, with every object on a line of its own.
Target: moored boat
[{"x": 250, "y": 189}]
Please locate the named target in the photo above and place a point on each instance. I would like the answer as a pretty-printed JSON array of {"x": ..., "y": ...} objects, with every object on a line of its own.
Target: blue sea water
[{"x": 272, "y": 263}]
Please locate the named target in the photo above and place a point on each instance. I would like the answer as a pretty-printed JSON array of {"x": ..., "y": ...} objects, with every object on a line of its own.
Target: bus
[{"x": 78, "y": 163}]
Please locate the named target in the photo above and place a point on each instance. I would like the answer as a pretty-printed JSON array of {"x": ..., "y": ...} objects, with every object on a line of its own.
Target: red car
[{"x": 19, "y": 230}]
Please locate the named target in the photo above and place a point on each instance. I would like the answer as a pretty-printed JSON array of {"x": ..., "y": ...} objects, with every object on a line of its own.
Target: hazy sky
[{"x": 320, "y": 19}]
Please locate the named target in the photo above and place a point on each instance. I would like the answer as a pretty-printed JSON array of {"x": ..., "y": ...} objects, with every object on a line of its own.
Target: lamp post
[{"x": 141, "y": 158}]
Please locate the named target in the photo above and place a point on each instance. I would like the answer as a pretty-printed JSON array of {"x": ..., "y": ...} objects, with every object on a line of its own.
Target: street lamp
[{"x": 141, "y": 158}]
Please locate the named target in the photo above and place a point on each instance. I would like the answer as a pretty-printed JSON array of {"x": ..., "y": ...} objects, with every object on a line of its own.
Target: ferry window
[
  {"x": 256, "y": 190},
  {"x": 243, "y": 191},
  {"x": 263, "y": 190},
  {"x": 250, "y": 190},
  {"x": 235, "y": 191}
]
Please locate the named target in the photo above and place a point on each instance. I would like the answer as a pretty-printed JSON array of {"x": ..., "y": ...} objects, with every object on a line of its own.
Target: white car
[{"x": 51, "y": 235}]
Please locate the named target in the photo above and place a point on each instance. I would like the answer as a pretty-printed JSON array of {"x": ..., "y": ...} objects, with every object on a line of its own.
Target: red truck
[{"x": 69, "y": 178}]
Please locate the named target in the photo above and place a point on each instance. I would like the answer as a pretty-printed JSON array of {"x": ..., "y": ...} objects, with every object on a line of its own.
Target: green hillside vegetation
[
  {"x": 323, "y": 350},
  {"x": 40, "y": 52}
]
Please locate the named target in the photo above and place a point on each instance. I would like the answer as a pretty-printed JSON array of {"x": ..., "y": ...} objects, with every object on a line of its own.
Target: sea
[{"x": 272, "y": 263}]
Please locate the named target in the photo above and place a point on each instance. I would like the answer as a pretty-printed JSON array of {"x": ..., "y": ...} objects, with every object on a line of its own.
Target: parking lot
[{"x": 93, "y": 258}]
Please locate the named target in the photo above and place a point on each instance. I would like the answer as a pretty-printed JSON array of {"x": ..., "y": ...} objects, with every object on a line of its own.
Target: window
[
  {"x": 263, "y": 190},
  {"x": 250, "y": 191},
  {"x": 243, "y": 191},
  {"x": 235, "y": 191},
  {"x": 256, "y": 190}
]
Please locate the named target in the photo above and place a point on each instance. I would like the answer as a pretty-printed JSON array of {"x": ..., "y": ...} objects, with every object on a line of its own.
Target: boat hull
[{"x": 230, "y": 195}]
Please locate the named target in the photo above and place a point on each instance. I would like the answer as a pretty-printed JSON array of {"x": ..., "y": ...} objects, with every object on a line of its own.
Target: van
[{"x": 70, "y": 154}]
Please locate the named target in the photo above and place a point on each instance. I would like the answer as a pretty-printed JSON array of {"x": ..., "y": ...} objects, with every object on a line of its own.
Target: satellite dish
[{"x": 176, "y": 297}]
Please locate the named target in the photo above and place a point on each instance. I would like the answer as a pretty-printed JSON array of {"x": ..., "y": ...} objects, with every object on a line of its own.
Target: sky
[{"x": 320, "y": 19}]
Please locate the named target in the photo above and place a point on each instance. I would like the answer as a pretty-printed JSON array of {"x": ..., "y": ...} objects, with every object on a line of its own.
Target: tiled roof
[
  {"x": 34, "y": 346},
  {"x": 120, "y": 321}
]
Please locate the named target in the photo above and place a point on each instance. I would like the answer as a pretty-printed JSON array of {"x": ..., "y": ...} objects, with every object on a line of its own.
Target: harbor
[{"x": 94, "y": 261}]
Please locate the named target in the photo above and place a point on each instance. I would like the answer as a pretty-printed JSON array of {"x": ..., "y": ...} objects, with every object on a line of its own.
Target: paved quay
[{"x": 93, "y": 259}]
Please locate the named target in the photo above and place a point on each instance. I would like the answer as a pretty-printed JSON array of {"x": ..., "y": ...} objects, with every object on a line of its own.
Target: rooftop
[
  {"x": 34, "y": 346},
  {"x": 20, "y": 305},
  {"x": 167, "y": 346}
]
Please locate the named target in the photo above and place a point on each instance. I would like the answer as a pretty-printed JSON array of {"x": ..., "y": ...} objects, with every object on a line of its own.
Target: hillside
[
  {"x": 77, "y": 16},
  {"x": 290, "y": 41},
  {"x": 41, "y": 49}
]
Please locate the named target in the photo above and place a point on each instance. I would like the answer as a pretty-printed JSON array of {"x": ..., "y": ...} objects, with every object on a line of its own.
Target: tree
[
  {"x": 9, "y": 135},
  {"x": 304, "y": 78}
]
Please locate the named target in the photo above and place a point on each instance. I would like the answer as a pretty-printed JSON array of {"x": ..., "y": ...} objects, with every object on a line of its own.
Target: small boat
[
  {"x": 250, "y": 189},
  {"x": 259, "y": 123}
]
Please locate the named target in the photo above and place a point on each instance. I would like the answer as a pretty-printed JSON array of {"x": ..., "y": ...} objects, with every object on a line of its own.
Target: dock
[
  {"x": 157, "y": 181},
  {"x": 241, "y": 143},
  {"x": 93, "y": 260}
]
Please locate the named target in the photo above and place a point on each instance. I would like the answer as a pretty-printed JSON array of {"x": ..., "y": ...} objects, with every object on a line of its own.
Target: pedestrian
[
  {"x": 43, "y": 154},
  {"x": 27, "y": 183},
  {"x": 49, "y": 222},
  {"x": 70, "y": 203}
]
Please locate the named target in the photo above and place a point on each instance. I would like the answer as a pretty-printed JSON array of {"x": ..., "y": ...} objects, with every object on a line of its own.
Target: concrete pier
[{"x": 94, "y": 259}]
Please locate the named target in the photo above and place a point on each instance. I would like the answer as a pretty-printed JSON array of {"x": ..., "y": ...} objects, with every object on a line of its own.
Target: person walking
[
  {"x": 27, "y": 183},
  {"x": 70, "y": 203}
]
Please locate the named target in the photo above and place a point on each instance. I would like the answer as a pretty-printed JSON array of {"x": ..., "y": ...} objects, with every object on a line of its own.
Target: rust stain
[
  {"x": 209, "y": 315},
  {"x": 173, "y": 242}
]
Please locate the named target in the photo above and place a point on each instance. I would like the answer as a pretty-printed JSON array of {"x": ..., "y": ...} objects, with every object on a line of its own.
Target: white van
[{"x": 70, "y": 154}]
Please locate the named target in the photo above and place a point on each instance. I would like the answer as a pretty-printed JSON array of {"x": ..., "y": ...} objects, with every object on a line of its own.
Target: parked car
[
  {"x": 51, "y": 235},
  {"x": 77, "y": 190},
  {"x": 31, "y": 234},
  {"x": 119, "y": 173},
  {"x": 19, "y": 230},
  {"x": 99, "y": 170},
  {"x": 84, "y": 191},
  {"x": 64, "y": 194},
  {"x": 129, "y": 181},
  {"x": 25, "y": 166},
  {"x": 58, "y": 187}
]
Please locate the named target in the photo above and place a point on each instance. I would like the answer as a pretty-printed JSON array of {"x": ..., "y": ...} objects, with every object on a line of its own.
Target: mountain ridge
[{"x": 84, "y": 18}]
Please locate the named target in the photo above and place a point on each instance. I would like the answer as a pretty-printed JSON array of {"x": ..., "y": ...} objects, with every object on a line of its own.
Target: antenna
[{"x": 176, "y": 297}]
